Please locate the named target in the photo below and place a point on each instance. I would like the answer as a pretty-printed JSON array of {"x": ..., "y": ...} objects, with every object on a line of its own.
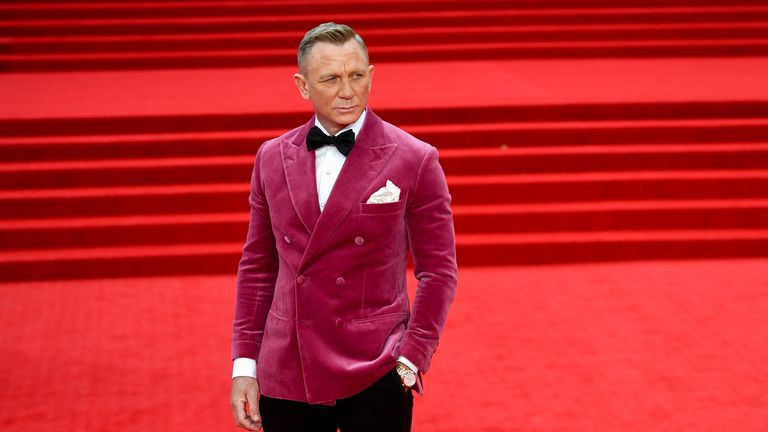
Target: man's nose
[{"x": 346, "y": 91}]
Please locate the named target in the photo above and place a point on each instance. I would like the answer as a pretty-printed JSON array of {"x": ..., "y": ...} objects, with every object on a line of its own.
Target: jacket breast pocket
[
  {"x": 382, "y": 220},
  {"x": 383, "y": 208}
]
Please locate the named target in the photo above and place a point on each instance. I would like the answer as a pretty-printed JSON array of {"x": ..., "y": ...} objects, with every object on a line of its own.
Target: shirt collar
[{"x": 356, "y": 126}]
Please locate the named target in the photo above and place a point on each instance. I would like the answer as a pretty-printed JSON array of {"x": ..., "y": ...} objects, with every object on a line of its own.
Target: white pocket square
[{"x": 387, "y": 194}]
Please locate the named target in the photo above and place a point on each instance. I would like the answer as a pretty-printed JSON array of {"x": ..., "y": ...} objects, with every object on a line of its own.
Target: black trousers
[{"x": 383, "y": 407}]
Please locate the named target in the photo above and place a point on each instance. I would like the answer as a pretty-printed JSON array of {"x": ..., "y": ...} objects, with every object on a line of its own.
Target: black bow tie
[{"x": 343, "y": 142}]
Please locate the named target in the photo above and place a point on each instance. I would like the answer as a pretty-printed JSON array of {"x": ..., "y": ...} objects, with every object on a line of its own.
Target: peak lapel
[
  {"x": 299, "y": 167},
  {"x": 363, "y": 164}
]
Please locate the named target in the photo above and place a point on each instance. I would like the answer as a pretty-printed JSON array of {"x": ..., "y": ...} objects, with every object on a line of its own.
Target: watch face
[
  {"x": 407, "y": 376},
  {"x": 409, "y": 379}
]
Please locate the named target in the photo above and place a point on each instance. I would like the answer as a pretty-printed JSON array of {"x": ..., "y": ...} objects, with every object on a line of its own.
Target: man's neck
[{"x": 330, "y": 130}]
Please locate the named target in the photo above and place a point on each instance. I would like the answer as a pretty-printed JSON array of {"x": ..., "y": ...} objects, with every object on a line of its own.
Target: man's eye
[{"x": 331, "y": 80}]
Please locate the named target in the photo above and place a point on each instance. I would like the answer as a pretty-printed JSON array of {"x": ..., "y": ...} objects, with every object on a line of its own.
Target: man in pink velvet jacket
[{"x": 324, "y": 336}]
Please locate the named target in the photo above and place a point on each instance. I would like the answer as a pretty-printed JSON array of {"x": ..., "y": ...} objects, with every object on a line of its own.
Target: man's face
[{"x": 338, "y": 80}]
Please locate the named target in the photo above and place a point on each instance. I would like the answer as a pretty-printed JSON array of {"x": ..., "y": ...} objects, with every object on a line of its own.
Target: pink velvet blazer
[{"x": 321, "y": 297}]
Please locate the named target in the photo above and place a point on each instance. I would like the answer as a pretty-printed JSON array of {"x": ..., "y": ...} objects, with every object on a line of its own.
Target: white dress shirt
[{"x": 328, "y": 164}]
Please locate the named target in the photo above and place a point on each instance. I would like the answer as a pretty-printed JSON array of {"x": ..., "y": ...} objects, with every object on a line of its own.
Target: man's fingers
[
  {"x": 245, "y": 421},
  {"x": 241, "y": 418},
  {"x": 252, "y": 396},
  {"x": 245, "y": 395}
]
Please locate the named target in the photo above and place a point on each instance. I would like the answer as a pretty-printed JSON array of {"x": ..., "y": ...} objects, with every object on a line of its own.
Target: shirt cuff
[
  {"x": 243, "y": 366},
  {"x": 408, "y": 363}
]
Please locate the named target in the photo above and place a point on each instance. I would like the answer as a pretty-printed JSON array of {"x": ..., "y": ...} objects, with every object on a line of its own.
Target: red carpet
[
  {"x": 621, "y": 147},
  {"x": 678, "y": 346}
]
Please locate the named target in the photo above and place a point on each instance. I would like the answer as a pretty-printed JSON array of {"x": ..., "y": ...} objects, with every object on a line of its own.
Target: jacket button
[
  {"x": 339, "y": 323},
  {"x": 287, "y": 239},
  {"x": 359, "y": 240},
  {"x": 301, "y": 279},
  {"x": 340, "y": 281}
]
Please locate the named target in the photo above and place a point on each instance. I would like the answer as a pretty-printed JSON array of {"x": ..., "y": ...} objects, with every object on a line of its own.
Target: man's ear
[
  {"x": 370, "y": 76},
  {"x": 301, "y": 83}
]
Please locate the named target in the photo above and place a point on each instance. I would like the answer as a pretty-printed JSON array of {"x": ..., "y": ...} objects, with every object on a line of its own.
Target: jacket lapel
[
  {"x": 368, "y": 157},
  {"x": 299, "y": 167}
]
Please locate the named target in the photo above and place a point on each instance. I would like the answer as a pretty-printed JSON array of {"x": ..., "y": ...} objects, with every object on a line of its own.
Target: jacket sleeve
[
  {"x": 256, "y": 274},
  {"x": 432, "y": 242}
]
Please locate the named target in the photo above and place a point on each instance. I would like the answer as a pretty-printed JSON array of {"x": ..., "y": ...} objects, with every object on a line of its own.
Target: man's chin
[{"x": 346, "y": 117}]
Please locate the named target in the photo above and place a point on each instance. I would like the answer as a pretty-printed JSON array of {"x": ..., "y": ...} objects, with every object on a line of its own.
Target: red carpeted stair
[
  {"x": 42, "y": 36},
  {"x": 533, "y": 191},
  {"x": 620, "y": 158}
]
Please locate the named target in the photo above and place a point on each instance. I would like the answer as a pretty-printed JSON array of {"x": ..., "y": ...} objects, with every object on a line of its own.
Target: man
[{"x": 322, "y": 309}]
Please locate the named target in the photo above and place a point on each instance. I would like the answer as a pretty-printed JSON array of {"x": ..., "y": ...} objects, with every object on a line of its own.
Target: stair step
[
  {"x": 529, "y": 134},
  {"x": 627, "y": 158},
  {"x": 225, "y": 169},
  {"x": 586, "y": 206},
  {"x": 428, "y": 52},
  {"x": 121, "y": 9},
  {"x": 128, "y": 230},
  {"x": 611, "y": 236},
  {"x": 659, "y": 185},
  {"x": 176, "y": 9},
  {"x": 106, "y": 147},
  {"x": 613, "y": 216},
  {"x": 151, "y": 200},
  {"x": 674, "y": 132},
  {"x": 108, "y": 262},
  {"x": 492, "y": 189},
  {"x": 27, "y": 234},
  {"x": 366, "y": 20},
  {"x": 126, "y": 172},
  {"x": 104, "y": 253},
  {"x": 384, "y": 38},
  {"x": 197, "y": 145},
  {"x": 526, "y": 249},
  {"x": 62, "y": 127},
  {"x": 472, "y": 249}
]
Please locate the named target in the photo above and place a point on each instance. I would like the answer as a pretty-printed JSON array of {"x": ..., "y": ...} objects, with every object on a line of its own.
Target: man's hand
[{"x": 245, "y": 403}]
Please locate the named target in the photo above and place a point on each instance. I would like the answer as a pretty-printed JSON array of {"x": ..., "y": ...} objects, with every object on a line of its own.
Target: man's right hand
[{"x": 245, "y": 403}]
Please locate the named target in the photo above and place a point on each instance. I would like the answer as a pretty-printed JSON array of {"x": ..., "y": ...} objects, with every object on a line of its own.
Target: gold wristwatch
[{"x": 407, "y": 375}]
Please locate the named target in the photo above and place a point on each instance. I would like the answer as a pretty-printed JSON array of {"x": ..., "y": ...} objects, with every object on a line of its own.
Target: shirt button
[
  {"x": 340, "y": 281},
  {"x": 301, "y": 279},
  {"x": 328, "y": 172},
  {"x": 359, "y": 241},
  {"x": 287, "y": 239}
]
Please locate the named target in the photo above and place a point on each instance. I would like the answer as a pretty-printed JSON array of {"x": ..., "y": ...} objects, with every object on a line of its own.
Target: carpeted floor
[{"x": 652, "y": 346}]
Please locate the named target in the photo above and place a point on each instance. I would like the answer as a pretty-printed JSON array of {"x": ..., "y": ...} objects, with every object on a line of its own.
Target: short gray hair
[{"x": 330, "y": 32}]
